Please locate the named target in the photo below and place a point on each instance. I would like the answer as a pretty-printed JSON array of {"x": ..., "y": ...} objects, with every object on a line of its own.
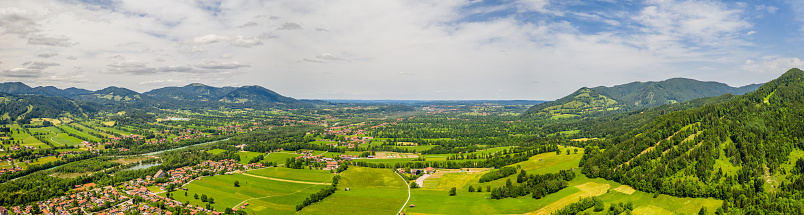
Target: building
[
  {"x": 3, "y": 210},
  {"x": 159, "y": 174},
  {"x": 332, "y": 165}
]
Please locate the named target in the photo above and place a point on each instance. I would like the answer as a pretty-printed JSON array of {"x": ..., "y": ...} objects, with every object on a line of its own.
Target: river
[{"x": 167, "y": 150}]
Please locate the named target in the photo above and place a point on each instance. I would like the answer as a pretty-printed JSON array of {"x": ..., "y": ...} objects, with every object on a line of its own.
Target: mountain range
[
  {"x": 601, "y": 100},
  {"x": 254, "y": 95}
]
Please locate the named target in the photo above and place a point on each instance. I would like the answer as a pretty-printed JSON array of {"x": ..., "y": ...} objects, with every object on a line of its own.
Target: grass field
[
  {"x": 264, "y": 196},
  {"x": 372, "y": 191},
  {"x": 42, "y": 160},
  {"x": 80, "y": 133},
  {"x": 66, "y": 139},
  {"x": 279, "y": 157},
  {"x": 294, "y": 174},
  {"x": 216, "y": 151},
  {"x": 245, "y": 157}
]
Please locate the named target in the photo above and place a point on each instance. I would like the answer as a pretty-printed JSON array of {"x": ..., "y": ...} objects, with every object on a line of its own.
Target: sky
[{"x": 397, "y": 49}]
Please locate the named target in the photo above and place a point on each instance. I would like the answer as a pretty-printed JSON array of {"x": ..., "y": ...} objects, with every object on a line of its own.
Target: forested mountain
[
  {"x": 23, "y": 89},
  {"x": 25, "y": 107},
  {"x": 256, "y": 94},
  {"x": 190, "y": 96},
  {"x": 601, "y": 100},
  {"x": 193, "y": 91},
  {"x": 738, "y": 150}
]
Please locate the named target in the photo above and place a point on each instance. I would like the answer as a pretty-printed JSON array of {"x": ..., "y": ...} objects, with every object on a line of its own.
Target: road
[{"x": 406, "y": 185}]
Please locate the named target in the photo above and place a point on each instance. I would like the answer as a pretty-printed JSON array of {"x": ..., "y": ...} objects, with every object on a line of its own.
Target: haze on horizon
[{"x": 416, "y": 50}]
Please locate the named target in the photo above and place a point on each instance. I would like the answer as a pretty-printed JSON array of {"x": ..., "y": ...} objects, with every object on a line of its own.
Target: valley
[{"x": 251, "y": 151}]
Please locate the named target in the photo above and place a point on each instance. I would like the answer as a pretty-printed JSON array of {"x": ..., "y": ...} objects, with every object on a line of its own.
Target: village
[{"x": 135, "y": 195}]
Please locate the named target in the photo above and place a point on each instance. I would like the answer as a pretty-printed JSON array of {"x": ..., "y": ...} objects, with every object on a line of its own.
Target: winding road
[{"x": 406, "y": 185}]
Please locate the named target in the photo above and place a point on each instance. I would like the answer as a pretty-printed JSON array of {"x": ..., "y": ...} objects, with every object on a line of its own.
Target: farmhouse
[{"x": 332, "y": 165}]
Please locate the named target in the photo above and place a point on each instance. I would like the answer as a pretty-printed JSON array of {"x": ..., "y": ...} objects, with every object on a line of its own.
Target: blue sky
[{"x": 353, "y": 49}]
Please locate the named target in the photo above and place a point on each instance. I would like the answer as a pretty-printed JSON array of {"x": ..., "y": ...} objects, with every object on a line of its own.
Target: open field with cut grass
[
  {"x": 280, "y": 157},
  {"x": 372, "y": 191},
  {"x": 245, "y": 157},
  {"x": 294, "y": 174},
  {"x": 264, "y": 196},
  {"x": 80, "y": 133}
]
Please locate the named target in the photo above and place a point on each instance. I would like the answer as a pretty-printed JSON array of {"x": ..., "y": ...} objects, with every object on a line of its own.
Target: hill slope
[
  {"x": 599, "y": 100},
  {"x": 739, "y": 150},
  {"x": 193, "y": 91},
  {"x": 256, "y": 94}
]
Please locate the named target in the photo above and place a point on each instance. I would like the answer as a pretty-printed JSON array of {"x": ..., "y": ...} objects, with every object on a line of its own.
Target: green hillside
[
  {"x": 601, "y": 100},
  {"x": 738, "y": 150}
]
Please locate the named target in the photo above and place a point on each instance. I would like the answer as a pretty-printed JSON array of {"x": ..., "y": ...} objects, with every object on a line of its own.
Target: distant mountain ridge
[
  {"x": 599, "y": 100},
  {"x": 192, "y": 94}
]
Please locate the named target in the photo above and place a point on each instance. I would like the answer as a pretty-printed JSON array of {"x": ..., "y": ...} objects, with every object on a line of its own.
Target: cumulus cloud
[
  {"x": 142, "y": 68},
  {"x": 701, "y": 22},
  {"x": 50, "y": 40},
  {"x": 47, "y": 55},
  {"x": 22, "y": 72},
  {"x": 239, "y": 41},
  {"x": 249, "y": 24},
  {"x": 290, "y": 26},
  {"x": 30, "y": 69},
  {"x": 17, "y": 21},
  {"x": 38, "y": 65},
  {"x": 767, "y": 8},
  {"x": 328, "y": 56},
  {"x": 773, "y": 66},
  {"x": 536, "y": 6},
  {"x": 212, "y": 64}
]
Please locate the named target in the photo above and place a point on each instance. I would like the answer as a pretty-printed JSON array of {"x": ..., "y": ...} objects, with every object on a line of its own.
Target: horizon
[
  {"x": 445, "y": 50},
  {"x": 377, "y": 99}
]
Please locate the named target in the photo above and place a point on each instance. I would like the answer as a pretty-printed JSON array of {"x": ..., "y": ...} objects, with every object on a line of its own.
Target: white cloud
[
  {"x": 290, "y": 26},
  {"x": 239, "y": 41},
  {"x": 537, "y": 6},
  {"x": 776, "y": 65},
  {"x": 50, "y": 40},
  {"x": 30, "y": 69},
  {"x": 212, "y": 64},
  {"x": 22, "y": 72},
  {"x": 17, "y": 21},
  {"x": 249, "y": 24},
  {"x": 767, "y": 8},
  {"x": 328, "y": 56},
  {"x": 47, "y": 55},
  {"x": 699, "y": 22},
  {"x": 141, "y": 68}
]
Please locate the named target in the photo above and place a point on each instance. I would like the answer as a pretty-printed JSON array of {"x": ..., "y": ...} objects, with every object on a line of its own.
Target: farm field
[
  {"x": 294, "y": 174},
  {"x": 279, "y": 157},
  {"x": 245, "y": 157},
  {"x": 80, "y": 133},
  {"x": 264, "y": 196},
  {"x": 372, "y": 191},
  {"x": 433, "y": 197}
]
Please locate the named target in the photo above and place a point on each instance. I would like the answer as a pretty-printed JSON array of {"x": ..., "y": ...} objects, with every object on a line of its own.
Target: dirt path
[
  {"x": 588, "y": 189},
  {"x": 286, "y": 180},
  {"x": 407, "y": 185},
  {"x": 421, "y": 179}
]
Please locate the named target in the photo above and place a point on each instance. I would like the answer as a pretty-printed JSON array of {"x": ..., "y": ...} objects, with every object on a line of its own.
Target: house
[
  {"x": 3, "y": 210},
  {"x": 332, "y": 165},
  {"x": 159, "y": 174},
  {"x": 429, "y": 170},
  {"x": 415, "y": 171}
]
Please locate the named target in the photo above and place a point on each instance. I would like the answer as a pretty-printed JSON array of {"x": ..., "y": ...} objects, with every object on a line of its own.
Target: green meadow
[
  {"x": 264, "y": 196},
  {"x": 372, "y": 191}
]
